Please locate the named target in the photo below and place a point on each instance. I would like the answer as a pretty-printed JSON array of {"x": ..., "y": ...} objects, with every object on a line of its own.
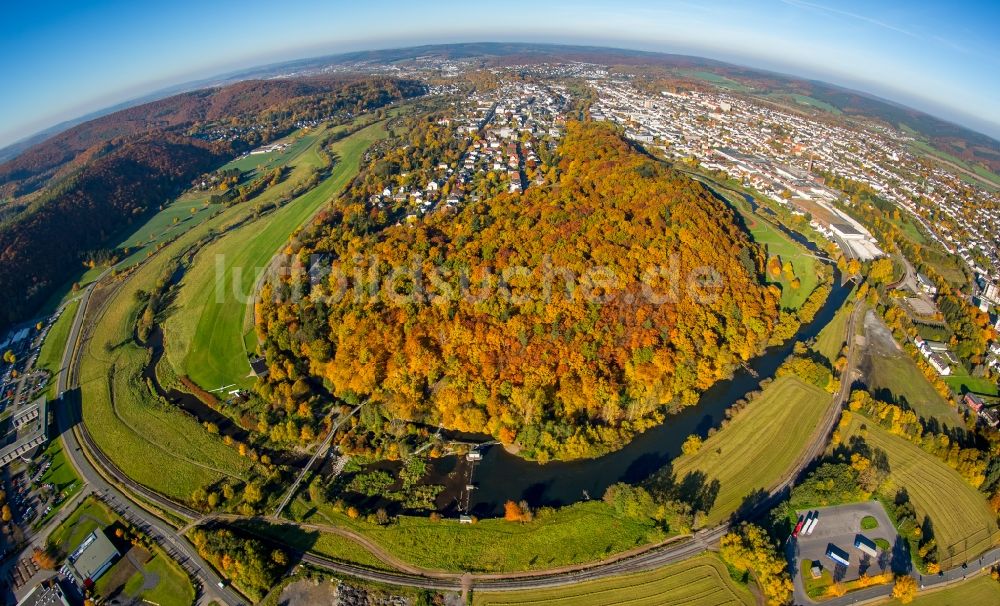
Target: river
[{"x": 500, "y": 476}]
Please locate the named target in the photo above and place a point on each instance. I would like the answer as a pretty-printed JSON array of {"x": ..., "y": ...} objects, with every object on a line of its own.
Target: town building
[{"x": 91, "y": 559}]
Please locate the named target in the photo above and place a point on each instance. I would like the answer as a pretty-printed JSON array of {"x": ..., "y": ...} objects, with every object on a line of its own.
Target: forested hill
[
  {"x": 42, "y": 249},
  {"x": 303, "y": 97},
  {"x": 138, "y": 160},
  {"x": 568, "y": 375}
]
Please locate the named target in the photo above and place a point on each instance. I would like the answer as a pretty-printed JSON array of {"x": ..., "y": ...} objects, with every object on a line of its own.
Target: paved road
[
  {"x": 73, "y": 432},
  {"x": 69, "y": 427}
]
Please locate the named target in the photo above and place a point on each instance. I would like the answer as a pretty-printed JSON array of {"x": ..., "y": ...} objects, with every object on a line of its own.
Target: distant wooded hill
[{"x": 81, "y": 189}]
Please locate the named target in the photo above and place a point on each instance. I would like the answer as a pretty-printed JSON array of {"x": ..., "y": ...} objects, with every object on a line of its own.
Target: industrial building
[
  {"x": 92, "y": 558},
  {"x": 24, "y": 431},
  {"x": 46, "y": 593}
]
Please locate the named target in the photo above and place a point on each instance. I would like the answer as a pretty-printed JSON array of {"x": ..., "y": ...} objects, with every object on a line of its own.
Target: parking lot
[{"x": 839, "y": 526}]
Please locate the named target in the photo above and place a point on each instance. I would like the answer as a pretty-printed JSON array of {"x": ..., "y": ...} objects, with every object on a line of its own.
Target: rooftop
[{"x": 93, "y": 556}]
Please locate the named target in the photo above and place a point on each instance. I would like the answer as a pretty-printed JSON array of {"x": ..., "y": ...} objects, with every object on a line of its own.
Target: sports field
[
  {"x": 698, "y": 581},
  {"x": 964, "y": 526},
  {"x": 206, "y": 341},
  {"x": 755, "y": 450}
]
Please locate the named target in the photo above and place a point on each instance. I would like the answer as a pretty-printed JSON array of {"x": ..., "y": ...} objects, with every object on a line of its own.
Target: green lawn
[
  {"x": 583, "y": 532},
  {"x": 50, "y": 356},
  {"x": 206, "y": 341},
  {"x": 326, "y": 544},
  {"x": 61, "y": 475},
  {"x": 980, "y": 591},
  {"x": 716, "y": 79},
  {"x": 899, "y": 374},
  {"x": 807, "y": 101},
  {"x": 151, "y": 441},
  {"x": 930, "y": 150},
  {"x": 961, "y": 382},
  {"x": 699, "y": 581},
  {"x": 964, "y": 526},
  {"x": 758, "y": 446},
  {"x": 172, "y": 589},
  {"x": 778, "y": 244},
  {"x": 85, "y": 519},
  {"x": 815, "y": 588}
]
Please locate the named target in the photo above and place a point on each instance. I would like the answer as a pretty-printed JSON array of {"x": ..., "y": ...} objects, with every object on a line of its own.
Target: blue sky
[{"x": 61, "y": 59}]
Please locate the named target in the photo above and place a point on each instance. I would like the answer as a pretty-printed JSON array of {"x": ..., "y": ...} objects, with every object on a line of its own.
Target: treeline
[
  {"x": 249, "y": 563},
  {"x": 130, "y": 176},
  {"x": 42, "y": 250},
  {"x": 277, "y": 102},
  {"x": 559, "y": 374}
]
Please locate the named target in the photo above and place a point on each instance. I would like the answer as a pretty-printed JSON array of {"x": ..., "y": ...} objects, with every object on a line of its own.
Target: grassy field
[
  {"x": 153, "y": 442},
  {"x": 85, "y": 519},
  {"x": 716, "y": 79},
  {"x": 980, "y": 591},
  {"x": 758, "y": 446},
  {"x": 583, "y": 532},
  {"x": 326, "y": 544},
  {"x": 899, "y": 374},
  {"x": 964, "y": 526},
  {"x": 206, "y": 341},
  {"x": 61, "y": 475},
  {"x": 962, "y": 383},
  {"x": 699, "y": 581},
  {"x": 831, "y": 339},
  {"x": 173, "y": 587},
  {"x": 922, "y": 147},
  {"x": 778, "y": 244},
  {"x": 50, "y": 356}
]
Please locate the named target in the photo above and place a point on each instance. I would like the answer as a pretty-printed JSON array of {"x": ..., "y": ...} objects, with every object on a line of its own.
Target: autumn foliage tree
[
  {"x": 749, "y": 548},
  {"x": 565, "y": 319}
]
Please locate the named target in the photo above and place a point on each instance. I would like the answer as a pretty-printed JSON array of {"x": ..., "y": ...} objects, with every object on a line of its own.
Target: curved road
[
  {"x": 69, "y": 427},
  {"x": 78, "y": 441}
]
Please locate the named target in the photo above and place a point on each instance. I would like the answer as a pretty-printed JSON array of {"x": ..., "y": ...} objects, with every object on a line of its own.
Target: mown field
[
  {"x": 961, "y": 383},
  {"x": 980, "y": 591},
  {"x": 964, "y": 526},
  {"x": 327, "y": 544},
  {"x": 759, "y": 445},
  {"x": 898, "y": 374},
  {"x": 832, "y": 337},
  {"x": 583, "y": 532},
  {"x": 206, "y": 339},
  {"x": 699, "y": 581},
  {"x": 153, "y": 442}
]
